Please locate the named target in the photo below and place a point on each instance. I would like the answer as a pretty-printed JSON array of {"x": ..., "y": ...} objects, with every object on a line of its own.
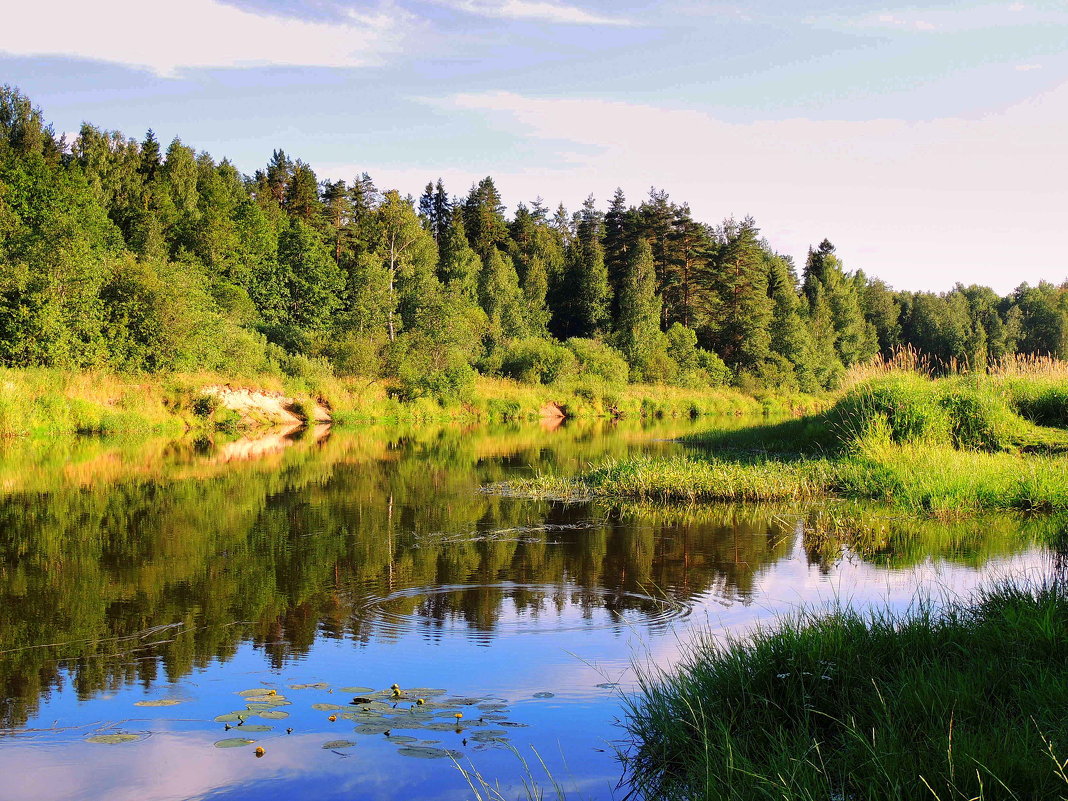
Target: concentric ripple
[{"x": 509, "y": 608}]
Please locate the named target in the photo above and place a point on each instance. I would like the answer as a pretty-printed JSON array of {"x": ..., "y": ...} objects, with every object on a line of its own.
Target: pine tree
[
  {"x": 738, "y": 326},
  {"x": 484, "y": 218},
  {"x": 639, "y": 336},
  {"x": 151, "y": 159}
]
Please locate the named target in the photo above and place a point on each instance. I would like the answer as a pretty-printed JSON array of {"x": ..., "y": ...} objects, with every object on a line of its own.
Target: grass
[
  {"x": 941, "y": 447},
  {"x": 47, "y": 402},
  {"x": 967, "y": 702}
]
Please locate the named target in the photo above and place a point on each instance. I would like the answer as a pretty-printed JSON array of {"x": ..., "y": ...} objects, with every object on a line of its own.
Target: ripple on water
[{"x": 534, "y": 608}]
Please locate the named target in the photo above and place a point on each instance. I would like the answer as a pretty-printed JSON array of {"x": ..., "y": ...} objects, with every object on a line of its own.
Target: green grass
[
  {"x": 966, "y": 702},
  {"x": 934, "y": 447}
]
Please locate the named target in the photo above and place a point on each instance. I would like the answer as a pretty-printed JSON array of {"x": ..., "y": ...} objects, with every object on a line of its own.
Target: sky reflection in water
[{"x": 141, "y": 571}]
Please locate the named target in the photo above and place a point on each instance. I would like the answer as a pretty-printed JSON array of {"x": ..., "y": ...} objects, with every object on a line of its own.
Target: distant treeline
[{"x": 123, "y": 255}]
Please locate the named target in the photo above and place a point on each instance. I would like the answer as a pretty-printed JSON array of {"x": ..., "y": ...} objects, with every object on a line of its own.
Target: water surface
[{"x": 135, "y": 572}]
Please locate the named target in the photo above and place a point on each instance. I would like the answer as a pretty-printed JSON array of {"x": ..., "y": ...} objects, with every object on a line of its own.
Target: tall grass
[{"x": 965, "y": 702}]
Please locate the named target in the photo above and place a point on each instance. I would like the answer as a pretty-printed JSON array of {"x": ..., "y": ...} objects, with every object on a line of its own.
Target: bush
[
  {"x": 537, "y": 361},
  {"x": 598, "y": 360}
]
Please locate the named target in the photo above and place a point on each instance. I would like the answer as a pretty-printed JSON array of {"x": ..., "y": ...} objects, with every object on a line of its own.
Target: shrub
[
  {"x": 598, "y": 360},
  {"x": 537, "y": 361}
]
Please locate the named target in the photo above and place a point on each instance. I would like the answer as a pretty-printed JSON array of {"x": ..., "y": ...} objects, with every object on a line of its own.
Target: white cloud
[
  {"x": 1028, "y": 67},
  {"x": 167, "y": 37},
  {"x": 533, "y": 10},
  {"x": 922, "y": 205},
  {"x": 895, "y": 21},
  {"x": 946, "y": 19}
]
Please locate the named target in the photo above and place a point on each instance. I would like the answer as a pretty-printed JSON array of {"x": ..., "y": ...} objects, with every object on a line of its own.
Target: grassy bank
[
  {"x": 40, "y": 402},
  {"x": 943, "y": 447},
  {"x": 967, "y": 702}
]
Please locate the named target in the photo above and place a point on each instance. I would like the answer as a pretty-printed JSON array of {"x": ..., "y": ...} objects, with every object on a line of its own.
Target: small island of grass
[{"x": 940, "y": 446}]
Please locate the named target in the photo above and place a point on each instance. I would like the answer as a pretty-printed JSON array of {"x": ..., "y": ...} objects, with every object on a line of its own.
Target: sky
[{"x": 927, "y": 141}]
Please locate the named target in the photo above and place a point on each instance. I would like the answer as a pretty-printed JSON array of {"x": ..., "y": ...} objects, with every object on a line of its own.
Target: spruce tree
[{"x": 638, "y": 335}]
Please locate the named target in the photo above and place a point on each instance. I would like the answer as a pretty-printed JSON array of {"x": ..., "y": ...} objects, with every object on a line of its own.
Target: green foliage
[
  {"x": 94, "y": 243},
  {"x": 963, "y": 702},
  {"x": 538, "y": 361},
  {"x": 599, "y": 361}
]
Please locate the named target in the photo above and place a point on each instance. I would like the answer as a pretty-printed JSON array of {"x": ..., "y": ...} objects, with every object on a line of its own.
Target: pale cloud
[
  {"x": 945, "y": 19},
  {"x": 1028, "y": 67},
  {"x": 895, "y": 21},
  {"x": 167, "y": 37},
  {"x": 920, "y": 204},
  {"x": 534, "y": 10}
]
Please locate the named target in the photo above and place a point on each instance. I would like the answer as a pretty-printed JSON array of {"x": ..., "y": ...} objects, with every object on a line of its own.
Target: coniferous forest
[{"x": 140, "y": 256}]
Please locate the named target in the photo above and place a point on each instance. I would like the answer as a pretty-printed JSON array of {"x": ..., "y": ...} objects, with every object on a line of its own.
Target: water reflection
[{"x": 135, "y": 563}]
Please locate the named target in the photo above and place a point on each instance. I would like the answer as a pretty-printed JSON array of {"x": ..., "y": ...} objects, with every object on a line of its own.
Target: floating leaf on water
[
  {"x": 161, "y": 702},
  {"x": 372, "y": 706},
  {"x": 365, "y": 717},
  {"x": 494, "y": 707},
  {"x": 356, "y": 689},
  {"x": 330, "y": 746},
  {"x": 494, "y": 716},
  {"x": 319, "y": 685},
  {"x": 427, "y": 752},
  {"x": 512, "y": 724},
  {"x": 402, "y": 738},
  {"x": 544, "y": 695},
  {"x": 490, "y": 736},
  {"x": 455, "y": 725},
  {"x": 258, "y": 707},
  {"x": 463, "y": 701},
  {"x": 232, "y": 717},
  {"x": 424, "y": 692},
  {"x": 113, "y": 739},
  {"x": 608, "y": 685},
  {"x": 327, "y": 707},
  {"x": 273, "y": 714},
  {"x": 257, "y": 691},
  {"x": 256, "y": 727},
  {"x": 372, "y": 728},
  {"x": 234, "y": 742}
]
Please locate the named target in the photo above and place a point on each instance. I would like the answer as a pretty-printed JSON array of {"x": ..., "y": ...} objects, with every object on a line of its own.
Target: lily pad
[
  {"x": 113, "y": 739},
  {"x": 372, "y": 728},
  {"x": 161, "y": 702},
  {"x": 427, "y": 752},
  {"x": 512, "y": 723},
  {"x": 490, "y": 736},
  {"x": 256, "y": 691},
  {"x": 273, "y": 714},
  {"x": 446, "y": 726},
  {"x": 402, "y": 738},
  {"x": 425, "y": 692},
  {"x": 232, "y": 717},
  {"x": 544, "y": 695},
  {"x": 464, "y": 701},
  {"x": 355, "y": 689},
  {"x": 327, "y": 707},
  {"x": 255, "y": 727},
  {"x": 234, "y": 742},
  {"x": 333, "y": 744},
  {"x": 319, "y": 685},
  {"x": 494, "y": 706}
]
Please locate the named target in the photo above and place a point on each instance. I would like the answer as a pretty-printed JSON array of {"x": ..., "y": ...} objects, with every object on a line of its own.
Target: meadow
[{"x": 940, "y": 446}]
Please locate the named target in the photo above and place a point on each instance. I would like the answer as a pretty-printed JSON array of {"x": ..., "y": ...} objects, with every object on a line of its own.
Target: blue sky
[{"x": 927, "y": 141}]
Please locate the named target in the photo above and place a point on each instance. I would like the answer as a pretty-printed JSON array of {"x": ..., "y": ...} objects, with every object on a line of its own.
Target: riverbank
[
  {"x": 40, "y": 402},
  {"x": 941, "y": 447},
  {"x": 966, "y": 702}
]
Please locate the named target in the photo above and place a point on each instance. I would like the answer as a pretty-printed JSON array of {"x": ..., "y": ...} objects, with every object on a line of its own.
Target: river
[{"x": 156, "y": 590}]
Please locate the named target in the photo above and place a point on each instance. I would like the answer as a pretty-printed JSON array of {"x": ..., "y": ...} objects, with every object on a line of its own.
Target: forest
[{"x": 126, "y": 255}]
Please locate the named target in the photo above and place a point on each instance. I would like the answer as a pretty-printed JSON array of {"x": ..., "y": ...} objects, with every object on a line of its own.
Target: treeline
[{"x": 119, "y": 254}]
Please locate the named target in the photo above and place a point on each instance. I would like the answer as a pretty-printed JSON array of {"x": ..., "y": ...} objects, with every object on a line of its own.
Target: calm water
[{"x": 164, "y": 571}]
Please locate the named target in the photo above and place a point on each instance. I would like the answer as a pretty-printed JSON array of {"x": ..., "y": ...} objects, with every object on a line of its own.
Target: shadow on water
[{"x": 148, "y": 563}]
